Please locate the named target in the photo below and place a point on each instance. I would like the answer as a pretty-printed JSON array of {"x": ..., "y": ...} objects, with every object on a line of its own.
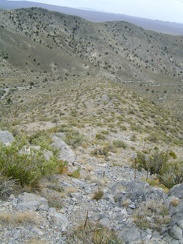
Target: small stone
[
  {"x": 37, "y": 232},
  {"x": 61, "y": 221},
  {"x": 6, "y": 137},
  {"x": 124, "y": 212},
  {"x": 132, "y": 206},
  {"x": 180, "y": 224},
  {"x": 176, "y": 233},
  {"x": 149, "y": 237},
  {"x": 105, "y": 222}
]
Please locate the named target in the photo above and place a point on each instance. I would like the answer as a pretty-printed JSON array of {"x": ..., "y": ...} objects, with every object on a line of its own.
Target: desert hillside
[{"x": 91, "y": 131}]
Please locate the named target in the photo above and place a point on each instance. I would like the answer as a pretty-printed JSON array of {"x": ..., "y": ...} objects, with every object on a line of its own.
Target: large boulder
[
  {"x": 65, "y": 154},
  {"x": 6, "y": 137}
]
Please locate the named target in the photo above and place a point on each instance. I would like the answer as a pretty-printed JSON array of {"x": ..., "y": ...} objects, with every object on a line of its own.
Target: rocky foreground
[{"x": 138, "y": 212}]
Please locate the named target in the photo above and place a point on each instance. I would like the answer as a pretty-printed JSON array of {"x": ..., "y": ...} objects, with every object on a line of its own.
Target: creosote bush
[{"x": 27, "y": 167}]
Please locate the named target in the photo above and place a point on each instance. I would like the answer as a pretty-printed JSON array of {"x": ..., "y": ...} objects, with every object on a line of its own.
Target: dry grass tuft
[
  {"x": 93, "y": 233},
  {"x": 19, "y": 218}
]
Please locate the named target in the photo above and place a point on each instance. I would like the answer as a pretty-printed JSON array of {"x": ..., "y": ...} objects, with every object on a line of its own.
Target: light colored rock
[
  {"x": 61, "y": 221},
  {"x": 180, "y": 224},
  {"x": 31, "y": 201},
  {"x": 6, "y": 137},
  {"x": 66, "y": 154},
  {"x": 176, "y": 233},
  {"x": 105, "y": 222}
]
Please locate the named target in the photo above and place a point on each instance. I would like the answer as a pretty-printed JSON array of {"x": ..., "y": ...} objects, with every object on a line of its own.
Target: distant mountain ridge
[{"x": 95, "y": 16}]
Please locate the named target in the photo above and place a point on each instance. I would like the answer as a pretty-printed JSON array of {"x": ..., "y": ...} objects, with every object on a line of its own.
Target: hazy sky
[{"x": 167, "y": 10}]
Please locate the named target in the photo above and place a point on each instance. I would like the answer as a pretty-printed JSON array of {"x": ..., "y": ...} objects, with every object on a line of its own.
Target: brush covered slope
[
  {"x": 81, "y": 94},
  {"x": 36, "y": 40}
]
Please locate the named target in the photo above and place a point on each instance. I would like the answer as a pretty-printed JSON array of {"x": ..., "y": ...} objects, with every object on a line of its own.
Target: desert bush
[
  {"x": 42, "y": 139},
  {"x": 172, "y": 154},
  {"x": 157, "y": 162},
  {"x": 172, "y": 174},
  {"x": 100, "y": 137},
  {"x": 74, "y": 138},
  {"x": 7, "y": 187},
  {"x": 27, "y": 168},
  {"x": 98, "y": 195},
  {"x": 168, "y": 173},
  {"x": 153, "y": 163},
  {"x": 93, "y": 233},
  {"x": 120, "y": 144},
  {"x": 152, "y": 138},
  {"x": 106, "y": 132},
  {"x": 100, "y": 151},
  {"x": 151, "y": 215}
]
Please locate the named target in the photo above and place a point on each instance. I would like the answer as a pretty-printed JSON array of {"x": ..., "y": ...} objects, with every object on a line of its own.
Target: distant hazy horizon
[{"x": 165, "y": 10}]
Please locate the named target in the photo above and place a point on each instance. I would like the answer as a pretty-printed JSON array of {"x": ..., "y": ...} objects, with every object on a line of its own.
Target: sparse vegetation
[
  {"x": 169, "y": 173},
  {"x": 93, "y": 233},
  {"x": 19, "y": 218},
  {"x": 74, "y": 138},
  {"x": 26, "y": 167},
  {"x": 97, "y": 88},
  {"x": 98, "y": 195},
  {"x": 120, "y": 144},
  {"x": 151, "y": 215}
]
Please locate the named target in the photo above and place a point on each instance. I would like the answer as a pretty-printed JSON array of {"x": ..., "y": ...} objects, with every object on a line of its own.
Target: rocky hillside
[
  {"x": 107, "y": 200},
  {"x": 86, "y": 156},
  {"x": 36, "y": 40}
]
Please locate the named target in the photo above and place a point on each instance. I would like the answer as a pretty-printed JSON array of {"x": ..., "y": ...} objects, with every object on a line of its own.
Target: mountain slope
[
  {"x": 95, "y": 16},
  {"x": 35, "y": 41}
]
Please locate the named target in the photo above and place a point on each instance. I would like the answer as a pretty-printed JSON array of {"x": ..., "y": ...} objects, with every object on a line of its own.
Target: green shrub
[
  {"x": 172, "y": 154},
  {"x": 168, "y": 173},
  {"x": 152, "y": 138},
  {"x": 27, "y": 168},
  {"x": 152, "y": 163},
  {"x": 157, "y": 162},
  {"x": 100, "y": 137},
  {"x": 172, "y": 174},
  {"x": 120, "y": 144},
  {"x": 151, "y": 215},
  {"x": 100, "y": 151},
  {"x": 98, "y": 195},
  {"x": 106, "y": 132},
  {"x": 74, "y": 138}
]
